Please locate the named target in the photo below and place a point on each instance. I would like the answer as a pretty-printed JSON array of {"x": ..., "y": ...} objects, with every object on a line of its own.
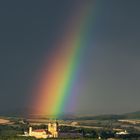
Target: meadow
[{"x": 14, "y": 128}]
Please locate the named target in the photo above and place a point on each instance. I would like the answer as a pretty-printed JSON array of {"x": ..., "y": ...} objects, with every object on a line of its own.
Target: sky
[{"x": 109, "y": 70}]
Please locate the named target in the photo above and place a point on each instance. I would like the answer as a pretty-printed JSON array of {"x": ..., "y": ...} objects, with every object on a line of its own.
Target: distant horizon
[{"x": 22, "y": 113}]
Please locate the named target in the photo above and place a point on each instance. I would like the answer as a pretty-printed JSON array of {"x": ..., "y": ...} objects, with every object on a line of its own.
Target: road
[{"x": 81, "y": 126}]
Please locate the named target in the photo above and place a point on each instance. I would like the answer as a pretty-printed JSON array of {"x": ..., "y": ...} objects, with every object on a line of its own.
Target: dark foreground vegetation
[{"x": 15, "y": 130}]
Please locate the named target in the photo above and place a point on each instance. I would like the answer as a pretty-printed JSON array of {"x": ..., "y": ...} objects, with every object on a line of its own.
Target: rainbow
[{"x": 60, "y": 67}]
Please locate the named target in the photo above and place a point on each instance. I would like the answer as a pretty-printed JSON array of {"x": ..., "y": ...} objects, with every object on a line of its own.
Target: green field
[{"x": 90, "y": 129}]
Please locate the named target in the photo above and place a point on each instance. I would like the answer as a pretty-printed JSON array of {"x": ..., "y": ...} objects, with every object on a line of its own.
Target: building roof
[{"x": 39, "y": 130}]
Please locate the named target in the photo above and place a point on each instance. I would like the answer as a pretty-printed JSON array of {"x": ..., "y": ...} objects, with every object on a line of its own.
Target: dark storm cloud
[
  {"x": 111, "y": 64},
  {"x": 27, "y": 31},
  {"x": 113, "y": 60}
]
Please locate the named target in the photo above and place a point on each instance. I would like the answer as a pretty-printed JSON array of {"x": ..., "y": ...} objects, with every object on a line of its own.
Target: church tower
[{"x": 53, "y": 129}]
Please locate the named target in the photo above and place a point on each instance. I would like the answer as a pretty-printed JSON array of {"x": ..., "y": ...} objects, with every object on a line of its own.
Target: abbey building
[{"x": 51, "y": 132}]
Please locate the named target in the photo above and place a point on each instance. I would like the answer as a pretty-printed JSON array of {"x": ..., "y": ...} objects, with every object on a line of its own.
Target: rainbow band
[{"x": 58, "y": 77}]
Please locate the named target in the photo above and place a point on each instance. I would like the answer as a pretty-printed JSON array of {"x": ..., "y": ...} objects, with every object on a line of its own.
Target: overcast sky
[{"x": 110, "y": 66}]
